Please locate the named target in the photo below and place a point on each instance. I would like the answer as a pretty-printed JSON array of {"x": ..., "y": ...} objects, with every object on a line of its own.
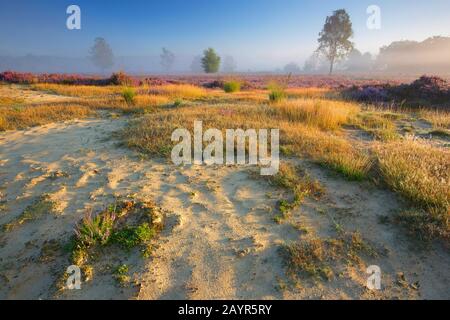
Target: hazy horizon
[{"x": 261, "y": 35}]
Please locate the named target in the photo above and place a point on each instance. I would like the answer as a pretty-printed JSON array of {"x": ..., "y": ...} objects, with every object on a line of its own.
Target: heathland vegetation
[
  {"x": 86, "y": 180},
  {"x": 405, "y": 145}
]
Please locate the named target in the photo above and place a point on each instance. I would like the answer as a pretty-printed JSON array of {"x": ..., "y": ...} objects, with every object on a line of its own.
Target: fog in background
[{"x": 250, "y": 36}]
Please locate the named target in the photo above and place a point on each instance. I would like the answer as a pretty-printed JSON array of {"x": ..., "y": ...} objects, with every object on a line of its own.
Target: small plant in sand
[
  {"x": 299, "y": 183},
  {"x": 121, "y": 275},
  {"x": 315, "y": 257},
  {"x": 125, "y": 224}
]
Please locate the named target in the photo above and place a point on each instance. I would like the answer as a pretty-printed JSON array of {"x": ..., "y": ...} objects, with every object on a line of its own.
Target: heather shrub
[
  {"x": 121, "y": 79},
  {"x": 425, "y": 91},
  {"x": 53, "y": 78},
  {"x": 368, "y": 94}
]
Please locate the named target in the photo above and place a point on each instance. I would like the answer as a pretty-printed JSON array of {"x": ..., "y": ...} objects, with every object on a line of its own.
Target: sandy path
[
  {"x": 220, "y": 239},
  {"x": 30, "y": 97}
]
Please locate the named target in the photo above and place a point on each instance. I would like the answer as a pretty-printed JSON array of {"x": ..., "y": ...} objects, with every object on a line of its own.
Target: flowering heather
[
  {"x": 432, "y": 89},
  {"x": 424, "y": 92},
  {"x": 53, "y": 78},
  {"x": 368, "y": 94}
]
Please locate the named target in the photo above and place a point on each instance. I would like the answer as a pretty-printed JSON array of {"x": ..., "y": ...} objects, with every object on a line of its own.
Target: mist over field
[
  {"x": 405, "y": 57},
  {"x": 409, "y": 37}
]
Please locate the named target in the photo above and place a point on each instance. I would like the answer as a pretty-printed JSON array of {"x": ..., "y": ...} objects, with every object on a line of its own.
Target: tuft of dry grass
[
  {"x": 8, "y": 101},
  {"x": 308, "y": 93},
  {"x": 380, "y": 125},
  {"x": 325, "y": 114},
  {"x": 418, "y": 171},
  {"x": 28, "y": 116},
  {"x": 78, "y": 90},
  {"x": 299, "y": 183},
  {"x": 149, "y": 100},
  {"x": 421, "y": 173},
  {"x": 439, "y": 119},
  {"x": 179, "y": 91},
  {"x": 314, "y": 257}
]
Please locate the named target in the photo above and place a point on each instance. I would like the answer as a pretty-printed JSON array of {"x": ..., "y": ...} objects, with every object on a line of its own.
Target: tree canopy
[
  {"x": 210, "y": 61},
  {"x": 334, "y": 39}
]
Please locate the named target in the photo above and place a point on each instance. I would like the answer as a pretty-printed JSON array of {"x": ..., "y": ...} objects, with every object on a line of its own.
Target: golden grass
[
  {"x": 421, "y": 173},
  {"x": 150, "y": 100},
  {"x": 418, "y": 171},
  {"x": 315, "y": 257},
  {"x": 439, "y": 119},
  {"x": 179, "y": 91},
  {"x": 254, "y": 96},
  {"x": 380, "y": 125},
  {"x": 152, "y": 134},
  {"x": 29, "y": 116},
  {"x": 325, "y": 114},
  {"x": 78, "y": 90},
  {"x": 309, "y": 93},
  {"x": 8, "y": 101}
]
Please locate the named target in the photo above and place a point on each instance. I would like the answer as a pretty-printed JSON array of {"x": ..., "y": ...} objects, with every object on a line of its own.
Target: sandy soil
[
  {"x": 29, "y": 96},
  {"x": 220, "y": 240}
]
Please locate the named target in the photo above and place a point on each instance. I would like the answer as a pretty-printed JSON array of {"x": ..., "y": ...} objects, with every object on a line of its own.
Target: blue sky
[{"x": 258, "y": 33}]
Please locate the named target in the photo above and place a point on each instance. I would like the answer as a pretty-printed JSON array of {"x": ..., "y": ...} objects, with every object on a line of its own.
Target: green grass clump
[
  {"x": 276, "y": 94},
  {"x": 130, "y": 237},
  {"x": 129, "y": 95},
  {"x": 232, "y": 86}
]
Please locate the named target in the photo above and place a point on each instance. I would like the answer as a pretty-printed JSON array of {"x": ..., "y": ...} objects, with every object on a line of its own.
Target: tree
[
  {"x": 229, "y": 65},
  {"x": 167, "y": 59},
  {"x": 210, "y": 61},
  {"x": 334, "y": 39},
  {"x": 101, "y": 54}
]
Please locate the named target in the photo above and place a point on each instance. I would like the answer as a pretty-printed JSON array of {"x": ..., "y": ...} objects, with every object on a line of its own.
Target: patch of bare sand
[
  {"x": 29, "y": 96},
  {"x": 220, "y": 239}
]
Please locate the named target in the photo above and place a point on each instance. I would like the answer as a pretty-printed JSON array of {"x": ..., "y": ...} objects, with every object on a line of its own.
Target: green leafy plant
[{"x": 232, "y": 86}]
